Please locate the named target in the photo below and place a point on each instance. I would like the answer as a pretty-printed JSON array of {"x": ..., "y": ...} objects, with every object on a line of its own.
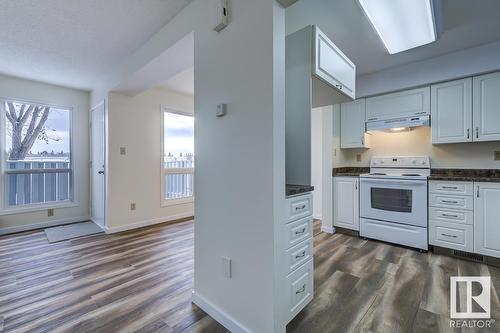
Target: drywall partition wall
[
  {"x": 478, "y": 155},
  {"x": 481, "y": 59},
  {"x": 134, "y": 122},
  {"x": 238, "y": 168},
  {"x": 11, "y": 87}
]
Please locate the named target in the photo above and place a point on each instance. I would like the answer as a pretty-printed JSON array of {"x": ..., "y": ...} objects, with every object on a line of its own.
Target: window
[
  {"x": 178, "y": 157},
  {"x": 36, "y": 155}
]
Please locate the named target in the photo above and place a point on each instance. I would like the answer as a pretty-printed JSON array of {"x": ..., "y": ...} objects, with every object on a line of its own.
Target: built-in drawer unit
[
  {"x": 451, "y": 216},
  {"x": 298, "y": 207},
  {"x": 452, "y": 188},
  {"x": 451, "y": 201},
  {"x": 298, "y": 231},
  {"x": 300, "y": 288},
  {"x": 299, "y": 254},
  {"x": 452, "y": 235}
]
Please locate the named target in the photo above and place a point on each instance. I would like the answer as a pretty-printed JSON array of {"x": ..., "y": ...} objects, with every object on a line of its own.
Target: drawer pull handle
[
  {"x": 449, "y": 215},
  {"x": 300, "y": 232},
  {"x": 301, "y": 290},
  {"x": 300, "y": 207},
  {"x": 449, "y": 201},
  {"x": 450, "y": 187},
  {"x": 452, "y": 236},
  {"x": 302, "y": 255}
]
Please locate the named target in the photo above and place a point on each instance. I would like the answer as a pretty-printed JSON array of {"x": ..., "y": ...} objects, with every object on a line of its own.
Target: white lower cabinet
[
  {"x": 346, "y": 202},
  {"x": 296, "y": 255},
  {"x": 452, "y": 235},
  {"x": 487, "y": 219}
]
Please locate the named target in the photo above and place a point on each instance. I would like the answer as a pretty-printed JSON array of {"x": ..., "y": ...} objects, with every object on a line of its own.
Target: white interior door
[{"x": 97, "y": 166}]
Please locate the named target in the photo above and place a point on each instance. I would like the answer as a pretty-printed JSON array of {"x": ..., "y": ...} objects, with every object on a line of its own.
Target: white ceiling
[
  {"x": 71, "y": 42},
  {"x": 464, "y": 24},
  {"x": 182, "y": 83}
]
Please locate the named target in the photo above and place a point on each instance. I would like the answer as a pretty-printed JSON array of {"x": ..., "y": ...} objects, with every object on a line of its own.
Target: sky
[
  {"x": 179, "y": 134},
  {"x": 58, "y": 128}
]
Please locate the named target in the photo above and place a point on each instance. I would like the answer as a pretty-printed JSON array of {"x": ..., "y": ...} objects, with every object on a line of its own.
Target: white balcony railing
[
  {"x": 178, "y": 178},
  {"x": 38, "y": 181}
]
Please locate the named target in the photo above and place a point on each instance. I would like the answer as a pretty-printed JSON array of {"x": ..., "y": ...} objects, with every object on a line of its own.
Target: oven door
[{"x": 395, "y": 200}]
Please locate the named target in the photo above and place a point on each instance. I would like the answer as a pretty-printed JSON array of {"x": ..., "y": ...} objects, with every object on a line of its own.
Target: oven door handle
[{"x": 393, "y": 181}]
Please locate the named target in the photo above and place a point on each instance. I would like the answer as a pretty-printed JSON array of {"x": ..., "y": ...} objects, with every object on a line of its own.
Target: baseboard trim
[
  {"x": 219, "y": 315},
  {"x": 145, "y": 223},
  {"x": 328, "y": 230},
  {"x": 43, "y": 225}
]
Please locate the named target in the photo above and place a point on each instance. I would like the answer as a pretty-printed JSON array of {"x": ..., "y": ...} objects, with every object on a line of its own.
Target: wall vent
[{"x": 467, "y": 255}]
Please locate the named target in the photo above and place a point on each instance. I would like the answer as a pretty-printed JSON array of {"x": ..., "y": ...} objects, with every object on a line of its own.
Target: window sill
[
  {"x": 37, "y": 208},
  {"x": 176, "y": 202}
]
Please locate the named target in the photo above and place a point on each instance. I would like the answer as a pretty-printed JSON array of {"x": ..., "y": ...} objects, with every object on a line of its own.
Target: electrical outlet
[
  {"x": 358, "y": 157},
  {"x": 50, "y": 212},
  {"x": 132, "y": 206},
  {"x": 497, "y": 155},
  {"x": 123, "y": 151}
]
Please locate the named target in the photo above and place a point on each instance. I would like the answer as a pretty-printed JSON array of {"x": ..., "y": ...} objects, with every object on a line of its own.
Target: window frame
[
  {"x": 170, "y": 171},
  {"x": 5, "y": 209}
]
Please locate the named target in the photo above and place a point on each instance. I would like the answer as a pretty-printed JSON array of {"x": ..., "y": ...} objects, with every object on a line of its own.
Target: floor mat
[{"x": 64, "y": 232}]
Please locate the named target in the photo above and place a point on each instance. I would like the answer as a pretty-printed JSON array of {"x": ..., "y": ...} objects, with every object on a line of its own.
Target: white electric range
[{"x": 393, "y": 201}]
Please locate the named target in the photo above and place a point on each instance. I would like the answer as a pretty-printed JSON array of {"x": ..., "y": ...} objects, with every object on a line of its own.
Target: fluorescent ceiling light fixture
[{"x": 401, "y": 24}]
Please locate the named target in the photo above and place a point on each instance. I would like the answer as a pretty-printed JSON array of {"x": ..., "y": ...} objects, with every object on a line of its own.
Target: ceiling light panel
[{"x": 401, "y": 24}]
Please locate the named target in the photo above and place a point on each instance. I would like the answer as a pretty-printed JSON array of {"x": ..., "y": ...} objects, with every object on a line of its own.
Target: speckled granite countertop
[
  {"x": 292, "y": 189},
  {"x": 349, "y": 171},
  {"x": 466, "y": 175}
]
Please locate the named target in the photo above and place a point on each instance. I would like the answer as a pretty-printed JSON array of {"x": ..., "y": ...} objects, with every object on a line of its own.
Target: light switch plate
[
  {"x": 226, "y": 267},
  {"x": 133, "y": 206},
  {"x": 497, "y": 155},
  {"x": 123, "y": 151}
]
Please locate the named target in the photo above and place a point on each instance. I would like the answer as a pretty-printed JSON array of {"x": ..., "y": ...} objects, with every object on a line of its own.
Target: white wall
[
  {"x": 237, "y": 198},
  {"x": 134, "y": 122},
  {"x": 317, "y": 160},
  {"x": 478, "y": 155},
  {"x": 11, "y": 87}
]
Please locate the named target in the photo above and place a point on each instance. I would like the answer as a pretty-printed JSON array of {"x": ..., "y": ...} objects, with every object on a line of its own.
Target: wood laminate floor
[{"x": 141, "y": 281}]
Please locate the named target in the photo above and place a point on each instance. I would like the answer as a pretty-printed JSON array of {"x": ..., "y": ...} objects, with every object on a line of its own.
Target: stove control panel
[{"x": 421, "y": 162}]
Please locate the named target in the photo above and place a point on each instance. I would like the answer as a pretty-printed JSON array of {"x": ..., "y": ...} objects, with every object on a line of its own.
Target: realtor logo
[{"x": 481, "y": 301}]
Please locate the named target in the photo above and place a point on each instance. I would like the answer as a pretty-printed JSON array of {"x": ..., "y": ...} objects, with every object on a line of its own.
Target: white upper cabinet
[
  {"x": 352, "y": 124},
  {"x": 451, "y": 111},
  {"x": 486, "y": 99},
  {"x": 332, "y": 65},
  {"x": 486, "y": 219},
  {"x": 346, "y": 202},
  {"x": 414, "y": 102}
]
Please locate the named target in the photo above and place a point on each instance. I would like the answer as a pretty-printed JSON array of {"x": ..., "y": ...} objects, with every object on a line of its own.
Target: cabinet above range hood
[{"x": 398, "y": 124}]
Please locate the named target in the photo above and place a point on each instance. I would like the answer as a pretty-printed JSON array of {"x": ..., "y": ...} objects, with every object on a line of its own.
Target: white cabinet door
[
  {"x": 352, "y": 124},
  {"x": 451, "y": 111},
  {"x": 346, "y": 202},
  {"x": 486, "y": 109},
  {"x": 332, "y": 65},
  {"x": 487, "y": 219},
  {"x": 401, "y": 104}
]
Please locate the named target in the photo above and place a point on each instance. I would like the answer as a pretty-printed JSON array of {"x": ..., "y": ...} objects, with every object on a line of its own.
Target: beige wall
[
  {"x": 418, "y": 142},
  {"x": 11, "y": 87},
  {"x": 134, "y": 122}
]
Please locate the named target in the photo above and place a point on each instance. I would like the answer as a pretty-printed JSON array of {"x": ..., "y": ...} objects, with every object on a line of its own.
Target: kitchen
[{"x": 406, "y": 156}]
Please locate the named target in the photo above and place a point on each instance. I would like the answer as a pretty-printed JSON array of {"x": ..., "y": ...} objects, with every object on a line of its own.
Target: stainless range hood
[{"x": 397, "y": 124}]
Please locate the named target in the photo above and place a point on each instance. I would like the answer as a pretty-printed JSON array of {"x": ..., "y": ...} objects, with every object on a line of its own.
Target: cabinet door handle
[
  {"x": 451, "y": 236},
  {"x": 423, "y": 112},
  {"x": 369, "y": 119},
  {"x": 477, "y": 132},
  {"x": 302, "y": 255},
  {"x": 301, "y": 290},
  {"x": 449, "y": 201},
  {"x": 450, "y": 187},
  {"x": 339, "y": 86},
  {"x": 300, "y": 207},
  {"x": 356, "y": 185},
  {"x": 477, "y": 193},
  {"x": 362, "y": 141},
  {"x": 300, "y": 232},
  {"x": 448, "y": 215},
  {"x": 468, "y": 133}
]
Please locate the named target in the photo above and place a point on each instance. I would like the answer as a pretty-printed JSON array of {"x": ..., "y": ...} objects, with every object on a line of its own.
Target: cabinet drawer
[
  {"x": 299, "y": 254},
  {"x": 298, "y": 231},
  {"x": 453, "y": 188},
  {"x": 451, "y": 216},
  {"x": 451, "y": 235},
  {"x": 300, "y": 289},
  {"x": 450, "y": 201},
  {"x": 298, "y": 207}
]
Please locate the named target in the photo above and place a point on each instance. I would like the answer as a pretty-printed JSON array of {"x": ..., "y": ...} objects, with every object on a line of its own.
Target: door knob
[{"x": 101, "y": 172}]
